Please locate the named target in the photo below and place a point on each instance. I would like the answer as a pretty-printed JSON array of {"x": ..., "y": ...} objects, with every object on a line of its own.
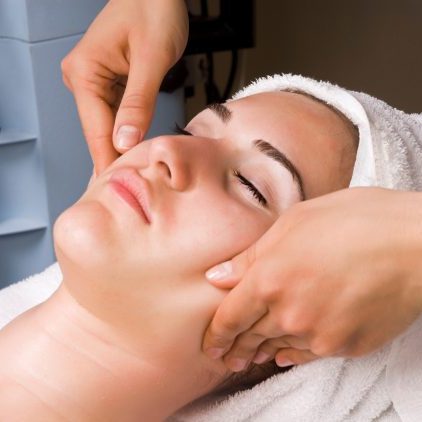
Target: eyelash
[
  {"x": 180, "y": 131},
  {"x": 255, "y": 192}
]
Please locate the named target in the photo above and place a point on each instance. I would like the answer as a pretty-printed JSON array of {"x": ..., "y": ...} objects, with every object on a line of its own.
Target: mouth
[{"x": 133, "y": 189}]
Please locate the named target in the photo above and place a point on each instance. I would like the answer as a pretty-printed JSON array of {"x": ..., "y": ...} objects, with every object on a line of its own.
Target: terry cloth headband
[
  {"x": 339, "y": 98},
  {"x": 387, "y": 384}
]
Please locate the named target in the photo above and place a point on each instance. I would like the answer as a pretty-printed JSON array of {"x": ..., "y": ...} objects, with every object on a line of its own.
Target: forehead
[
  {"x": 278, "y": 112},
  {"x": 282, "y": 108},
  {"x": 311, "y": 135}
]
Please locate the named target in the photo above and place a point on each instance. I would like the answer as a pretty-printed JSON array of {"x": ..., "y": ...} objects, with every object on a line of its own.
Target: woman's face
[{"x": 207, "y": 195}]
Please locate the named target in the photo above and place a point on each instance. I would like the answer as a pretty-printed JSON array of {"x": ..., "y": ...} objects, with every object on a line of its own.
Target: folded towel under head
[
  {"x": 389, "y": 155},
  {"x": 384, "y": 386}
]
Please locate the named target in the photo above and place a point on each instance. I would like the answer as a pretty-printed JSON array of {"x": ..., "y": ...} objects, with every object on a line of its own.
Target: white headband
[{"x": 339, "y": 98}]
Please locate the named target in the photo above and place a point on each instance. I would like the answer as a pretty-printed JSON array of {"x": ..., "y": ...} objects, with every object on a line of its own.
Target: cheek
[{"x": 211, "y": 232}]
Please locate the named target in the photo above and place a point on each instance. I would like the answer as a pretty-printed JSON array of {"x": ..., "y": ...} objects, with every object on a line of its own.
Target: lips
[{"x": 133, "y": 189}]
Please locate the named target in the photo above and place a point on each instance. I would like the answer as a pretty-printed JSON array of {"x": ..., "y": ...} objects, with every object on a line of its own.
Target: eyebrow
[
  {"x": 221, "y": 111},
  {"x": 265, "y": 147},
  {"x": 275, "y": 154}
]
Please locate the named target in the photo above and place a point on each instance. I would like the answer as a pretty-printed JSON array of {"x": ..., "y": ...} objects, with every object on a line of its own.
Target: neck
[{"x": 76, "y": 361}]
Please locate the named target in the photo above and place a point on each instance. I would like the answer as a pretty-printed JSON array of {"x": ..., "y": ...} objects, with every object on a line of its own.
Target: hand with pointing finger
[
  {"x": 339, "y": 275},
  {"x": 116, "y": 70}
]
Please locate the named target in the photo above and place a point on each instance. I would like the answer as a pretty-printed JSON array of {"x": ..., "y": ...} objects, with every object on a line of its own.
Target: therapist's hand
[
  {"x": 338, "y": 275},
  {"x": 126, "y": 52}
]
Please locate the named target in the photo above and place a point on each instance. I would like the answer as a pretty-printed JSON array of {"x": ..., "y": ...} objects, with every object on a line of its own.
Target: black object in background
[{"x": 231, "y": 30}]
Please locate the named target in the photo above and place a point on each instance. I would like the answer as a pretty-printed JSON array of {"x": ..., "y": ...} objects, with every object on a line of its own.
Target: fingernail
[
  {"x": 220, "y": 271},
  {"x": 214, "y": 352},
  {"x": 281, "y": 362},
  {"x": 127, "y": 136},
  {"x": 261, "y": 357},
  {"x": 237, "y": 364}
]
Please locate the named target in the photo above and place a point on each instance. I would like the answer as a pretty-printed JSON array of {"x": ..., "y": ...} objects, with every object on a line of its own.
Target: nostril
[
  {"x": 169, "y": 163},
  {"x": 165, "y": 169}
]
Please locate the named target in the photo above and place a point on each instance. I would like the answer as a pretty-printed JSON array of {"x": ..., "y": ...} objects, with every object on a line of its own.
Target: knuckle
[
  {"x": 218, "y": 341},
  {"x": 77, "y": 72},
  {"x": 251, "y": 341},
  {"x": 229, "y": 325},
  {"x": 71, "y": 64},
  {"x": 80, "y": 66},
  {"x": 242, "y": 350},
  {"x": 280, "y": 343},
  {"x": 65, "y": 65},
  {"x": 224, "y": 328},
  {"x": 294, "y": 322},
  {"x": 137, "y": 101},
  {"x": 268, "y": 289},
  {"x": 275, "y": 344},
  {"x": 66, "y": 73}
]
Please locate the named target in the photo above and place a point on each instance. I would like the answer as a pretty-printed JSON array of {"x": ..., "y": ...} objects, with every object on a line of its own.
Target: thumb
[
  {"x": 138, "y": 102},
  {"x": 228, "y": 274}
]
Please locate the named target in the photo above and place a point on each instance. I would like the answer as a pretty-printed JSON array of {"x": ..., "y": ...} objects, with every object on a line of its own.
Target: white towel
[
  {"x": 384, "y": 386},
  {"x": 23, "y": 295}
]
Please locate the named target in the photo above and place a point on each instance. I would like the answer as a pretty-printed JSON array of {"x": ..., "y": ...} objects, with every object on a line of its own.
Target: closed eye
[
  {"x": 255, "y": 192},
  {"x": 245, "y": 182},
  {"x": 180, "y": 131}
]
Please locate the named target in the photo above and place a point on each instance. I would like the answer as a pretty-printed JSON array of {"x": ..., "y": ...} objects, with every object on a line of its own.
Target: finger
[
  {"x": 266, "y": 352},
  {"x": 227, "y": 274},
  {"x": 236, "y": 314},
  {"x": 243, "y": 350},
  {"x": 295, "y": 342},
  {"x": 245, "y": 347},
  {"x": 290, "y": 356},
  {"x": 138, "y": 102},
  {"x": 269, "y": 348},
  {"x": 97, "y": 124}
]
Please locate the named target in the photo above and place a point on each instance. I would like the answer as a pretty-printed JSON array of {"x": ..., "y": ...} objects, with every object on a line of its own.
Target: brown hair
[{"x": 251, "y": 376}]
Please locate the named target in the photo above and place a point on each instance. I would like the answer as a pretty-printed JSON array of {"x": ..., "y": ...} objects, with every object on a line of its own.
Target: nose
[{"x": 169, "y": 159}]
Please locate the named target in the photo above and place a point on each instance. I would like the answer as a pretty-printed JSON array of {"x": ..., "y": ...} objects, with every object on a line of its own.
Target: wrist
[{"x": 410, "y": 232}]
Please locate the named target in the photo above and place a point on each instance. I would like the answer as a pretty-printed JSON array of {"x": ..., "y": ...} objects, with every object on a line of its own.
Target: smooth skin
[
  {"x": 375, "y": 254},
  {"x": 338, "y": 275},
  {"x": 116, "y": 69},
  {"x": 107, "y": 345}
]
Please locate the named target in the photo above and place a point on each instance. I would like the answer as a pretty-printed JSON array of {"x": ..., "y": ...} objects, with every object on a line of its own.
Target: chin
[{"x": 83, "y": 236}]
